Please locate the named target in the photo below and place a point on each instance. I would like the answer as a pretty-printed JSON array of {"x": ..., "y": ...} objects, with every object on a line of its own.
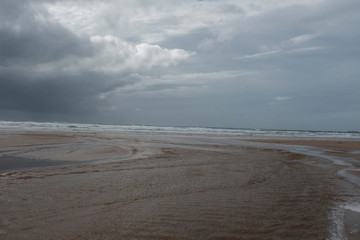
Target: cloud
[
  {"x": 28, "y": 37},
  {"x": 42, "y": 32},
  {"x": 282, "y": 98},
  {"x": 260, "y": 55},
  {"x": 277, "y": 52},
  {"x": 189, "y": 83},
  {"x": 289, "y": 46},
  {"x": 47, "y": 66},
  {"x": 56, "y": 94},
  {"x": 219, "y": 60},
  {"x": 302, "y": 38},
  {"x": 116, "y": 55}
]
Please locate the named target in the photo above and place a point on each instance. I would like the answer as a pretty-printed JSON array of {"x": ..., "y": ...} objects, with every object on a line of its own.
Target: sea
[{"x": 243, "y": 132}]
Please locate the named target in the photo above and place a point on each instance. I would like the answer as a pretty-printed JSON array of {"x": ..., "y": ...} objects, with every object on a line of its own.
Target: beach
[{"x": 94, "y": 185}]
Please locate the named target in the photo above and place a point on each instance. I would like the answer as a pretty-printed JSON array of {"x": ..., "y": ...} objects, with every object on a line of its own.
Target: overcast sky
[{"x": 291, "y": 64}]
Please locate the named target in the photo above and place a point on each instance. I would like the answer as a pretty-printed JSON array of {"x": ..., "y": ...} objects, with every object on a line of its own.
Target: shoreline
[
  {"x": 332, "y": 149},
  {"x": 336, "y": 147},
  {"x": 344, "y": 153},
  {"x": 146, "y": 186}
]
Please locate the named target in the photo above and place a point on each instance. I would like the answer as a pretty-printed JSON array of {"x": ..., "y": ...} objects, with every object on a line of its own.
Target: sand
[
  {"x": 152, "y": 186},
  {"x": 338, "y": 147}
]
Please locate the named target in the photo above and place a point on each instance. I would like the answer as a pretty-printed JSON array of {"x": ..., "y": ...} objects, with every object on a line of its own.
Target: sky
[{"x": 274, "y": 64}]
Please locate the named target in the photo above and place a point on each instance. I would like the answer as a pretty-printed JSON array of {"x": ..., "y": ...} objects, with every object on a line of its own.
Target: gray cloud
[
  {"x": 55, "y": 94},
  {"x": 46, "y": 68},
  {"x": 28, "y": 36},
  {"x": 264, "y": 63}
]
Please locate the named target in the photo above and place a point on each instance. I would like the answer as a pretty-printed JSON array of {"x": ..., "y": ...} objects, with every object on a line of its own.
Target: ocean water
[{"x": 77, "y": 127}]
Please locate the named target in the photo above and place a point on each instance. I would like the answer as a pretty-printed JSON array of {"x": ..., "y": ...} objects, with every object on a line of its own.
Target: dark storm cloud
[
  {"x": 28, "y": 36},
  {"x": 48, "y": 68},
  {"x": 56, "y": 94}
]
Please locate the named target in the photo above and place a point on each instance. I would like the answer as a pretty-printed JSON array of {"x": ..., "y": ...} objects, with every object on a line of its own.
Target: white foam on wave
[{"x": 53, "y": 126}]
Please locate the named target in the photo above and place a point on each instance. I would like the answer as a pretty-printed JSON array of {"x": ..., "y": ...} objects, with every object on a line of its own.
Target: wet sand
[
  {"x": 338, "y": 147},
  {"x": 152, "y": 186}
]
